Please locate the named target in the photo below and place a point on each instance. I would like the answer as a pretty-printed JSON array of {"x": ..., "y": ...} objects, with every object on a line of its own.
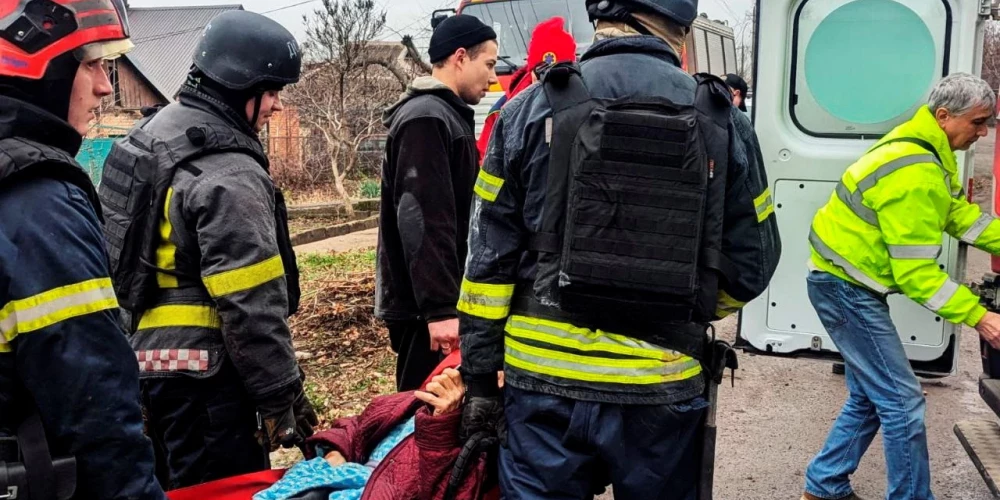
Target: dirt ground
[{"x": 777, "y": 416}]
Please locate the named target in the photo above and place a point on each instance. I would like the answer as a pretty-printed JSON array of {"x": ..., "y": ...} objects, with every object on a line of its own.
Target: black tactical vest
[
  {"x": 137, "y": 174},
  {"x": 631, "y": 237}
]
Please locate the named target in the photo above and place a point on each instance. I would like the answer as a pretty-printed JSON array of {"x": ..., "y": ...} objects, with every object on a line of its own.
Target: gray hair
[{"x": 960, "y": 93}]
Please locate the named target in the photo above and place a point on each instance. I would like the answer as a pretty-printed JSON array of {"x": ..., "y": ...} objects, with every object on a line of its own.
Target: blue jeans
[
  {"x": 882, "y": 391},
  {"x": 564, "y": 449}
]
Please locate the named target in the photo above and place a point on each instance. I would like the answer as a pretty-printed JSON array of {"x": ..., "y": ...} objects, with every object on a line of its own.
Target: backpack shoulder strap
[
  {"x": 713, "y": 98},
  {"x": 571, "y": 103}
]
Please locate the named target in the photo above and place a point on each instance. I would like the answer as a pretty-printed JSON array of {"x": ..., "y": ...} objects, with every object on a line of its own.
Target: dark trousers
[
  {"x": 202, "y": 429},
  {"x": 563, "y": 449},
  {"x": 415, "y": 361}
]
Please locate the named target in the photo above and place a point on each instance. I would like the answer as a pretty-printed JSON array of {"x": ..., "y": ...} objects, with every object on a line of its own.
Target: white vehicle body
[{"x": 831, "y": 77}]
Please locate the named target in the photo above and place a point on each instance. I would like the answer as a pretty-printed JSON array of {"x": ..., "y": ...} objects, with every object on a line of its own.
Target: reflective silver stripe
[
  {"x": 484, "y": 300},
  {"x": 885, "y": 170},
  {"x": 765, "y": 205},
  {"x": 581, "y": 339},
  {"x": 51, "y": 307},
  {"x": 855, "y": 200},
  {"x": 977, "y": 229},
  {"x": 914, "y": 251},
  {"x": 848, "y": 268},
  {"x": 942, "y": 296},
  {"x": 599, "y": 366}
]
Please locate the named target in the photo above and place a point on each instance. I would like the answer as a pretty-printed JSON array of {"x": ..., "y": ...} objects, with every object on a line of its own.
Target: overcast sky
[{"x": 404, "y": 16}]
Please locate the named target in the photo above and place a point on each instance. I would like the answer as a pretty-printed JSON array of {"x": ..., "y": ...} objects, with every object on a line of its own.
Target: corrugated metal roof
[{"x": 165, "y": 39}]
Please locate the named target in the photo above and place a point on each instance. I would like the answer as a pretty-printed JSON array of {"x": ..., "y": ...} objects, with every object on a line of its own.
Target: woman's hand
[
  {"x": 444, "y": 392},
  {"x": 334, "y": 458}
]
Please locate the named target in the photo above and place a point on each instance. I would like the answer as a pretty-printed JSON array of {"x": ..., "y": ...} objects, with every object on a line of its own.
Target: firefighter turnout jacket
[
  {"x": 222, "y": 291},
  {"x": 62, "y": 351},
  {"x": 556, "y": 354},
  {"x": 884, "y": 224}
]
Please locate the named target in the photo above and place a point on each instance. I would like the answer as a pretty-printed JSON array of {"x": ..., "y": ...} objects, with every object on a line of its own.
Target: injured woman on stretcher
[{"x": 403, "y": 446}]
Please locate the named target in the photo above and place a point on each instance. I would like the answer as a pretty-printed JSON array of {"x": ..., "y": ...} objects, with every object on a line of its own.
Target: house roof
[{"x": 165, "y": 39}]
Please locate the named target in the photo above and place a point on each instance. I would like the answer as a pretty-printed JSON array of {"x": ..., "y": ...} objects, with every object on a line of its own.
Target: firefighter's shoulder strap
[
  {"x": 19, "y": 157},
  {"x": 571, "y": 104}
]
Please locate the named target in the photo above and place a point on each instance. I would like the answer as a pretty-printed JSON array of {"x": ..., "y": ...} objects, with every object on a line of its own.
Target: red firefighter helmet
[{"x": 34, "y": 32}]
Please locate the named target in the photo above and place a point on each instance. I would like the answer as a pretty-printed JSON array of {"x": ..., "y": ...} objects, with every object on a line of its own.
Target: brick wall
[
  {"x": 284, "y": 139},
  {"x": 114, "y": 123}
]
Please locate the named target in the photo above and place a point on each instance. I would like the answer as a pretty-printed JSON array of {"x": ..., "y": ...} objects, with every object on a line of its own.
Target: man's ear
[
  {"x": 942, "y": 114},
  {"x": 461, "y": 56}
]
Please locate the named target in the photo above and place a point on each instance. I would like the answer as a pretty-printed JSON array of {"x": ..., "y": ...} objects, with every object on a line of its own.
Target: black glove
[
  {"x": 287, "y": 419},
  {"x": 305, "y": 416},
  {"x": 483, "y": 410}
]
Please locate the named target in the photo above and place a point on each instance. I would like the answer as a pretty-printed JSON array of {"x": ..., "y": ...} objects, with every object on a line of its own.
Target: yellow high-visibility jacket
[{"x": 884, "y": 224}]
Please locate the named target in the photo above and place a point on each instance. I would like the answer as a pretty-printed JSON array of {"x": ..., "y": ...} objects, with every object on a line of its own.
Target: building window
[{"x": 862, "y": 67}]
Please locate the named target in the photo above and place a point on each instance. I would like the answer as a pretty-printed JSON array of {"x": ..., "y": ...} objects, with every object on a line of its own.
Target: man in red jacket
[{"x": 550, "y": 44}]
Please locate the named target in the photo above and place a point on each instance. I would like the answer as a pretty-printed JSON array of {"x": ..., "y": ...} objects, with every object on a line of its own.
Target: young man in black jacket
[{"x": 428, "y": 177}]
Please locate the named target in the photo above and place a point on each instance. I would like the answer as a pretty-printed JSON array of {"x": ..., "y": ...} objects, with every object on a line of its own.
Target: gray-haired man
[{"x": 881, "y": 233}]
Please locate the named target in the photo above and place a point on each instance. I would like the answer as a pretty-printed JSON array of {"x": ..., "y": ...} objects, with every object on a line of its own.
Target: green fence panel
[{"x": 92, "y": 155}]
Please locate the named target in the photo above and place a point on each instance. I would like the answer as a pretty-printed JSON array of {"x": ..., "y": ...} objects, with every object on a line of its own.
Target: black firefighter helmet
[
  {"x": 243, "y": 50},
  {"x": 682, "y": 12}
]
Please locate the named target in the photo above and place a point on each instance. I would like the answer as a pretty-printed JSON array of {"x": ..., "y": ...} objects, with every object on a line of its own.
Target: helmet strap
[
  {"x": 257, "y": 99},
  {"x": 636, "y": 25}
]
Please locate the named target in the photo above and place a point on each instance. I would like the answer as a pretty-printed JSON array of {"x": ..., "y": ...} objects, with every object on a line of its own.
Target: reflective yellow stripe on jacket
[
  {"x": 485, "y": 300},
  {"x": 180, "y": 315},
  {"x": 764, "y": 205},
  {"x": 883, "y": 227},
  {"x": 166, "y": 251},
  {"x": 33, "y": 313},
  {"x": 564, "y": 351},
  {"x": 488, "y": 186},
  {"x": 727, "y": 305},
  {"x": 244, "y": 278}
]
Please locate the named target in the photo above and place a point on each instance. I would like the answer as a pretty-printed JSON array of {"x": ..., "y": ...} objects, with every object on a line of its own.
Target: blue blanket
[{"x": 348, "y": 480}]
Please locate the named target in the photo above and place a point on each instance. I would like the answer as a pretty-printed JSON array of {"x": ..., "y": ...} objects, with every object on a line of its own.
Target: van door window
[{"x": 862, "y": 67}]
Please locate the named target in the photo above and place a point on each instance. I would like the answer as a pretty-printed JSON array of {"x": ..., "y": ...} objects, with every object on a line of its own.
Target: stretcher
[{"x": 243, "y": 487}]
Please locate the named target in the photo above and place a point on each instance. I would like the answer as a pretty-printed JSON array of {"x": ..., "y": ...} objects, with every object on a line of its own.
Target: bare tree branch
[
  {"x": 389, "y": 64},
  {"x": 348, "y": 80},
  {"x": 414, "y": 55}
]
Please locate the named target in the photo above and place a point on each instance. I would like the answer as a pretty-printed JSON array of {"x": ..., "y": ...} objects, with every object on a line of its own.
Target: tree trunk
[{"x": 338, "y": 181}]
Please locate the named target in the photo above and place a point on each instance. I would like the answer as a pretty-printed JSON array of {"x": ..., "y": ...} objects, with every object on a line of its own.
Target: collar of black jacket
[
  {"x": 428, "y": 85},
  {"x": 20, "y": 119},
  {"x": 191, "y": 96},
  {"x": 643, "y": 44}
]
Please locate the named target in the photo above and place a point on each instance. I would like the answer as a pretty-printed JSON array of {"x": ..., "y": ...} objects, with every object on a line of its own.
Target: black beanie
[{"x": 458, "y": 32}]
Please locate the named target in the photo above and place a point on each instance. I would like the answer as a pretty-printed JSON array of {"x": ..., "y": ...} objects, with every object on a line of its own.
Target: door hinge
[
  {"x": 989, "y": 9},
  {"x": 817, "y": 344}
]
